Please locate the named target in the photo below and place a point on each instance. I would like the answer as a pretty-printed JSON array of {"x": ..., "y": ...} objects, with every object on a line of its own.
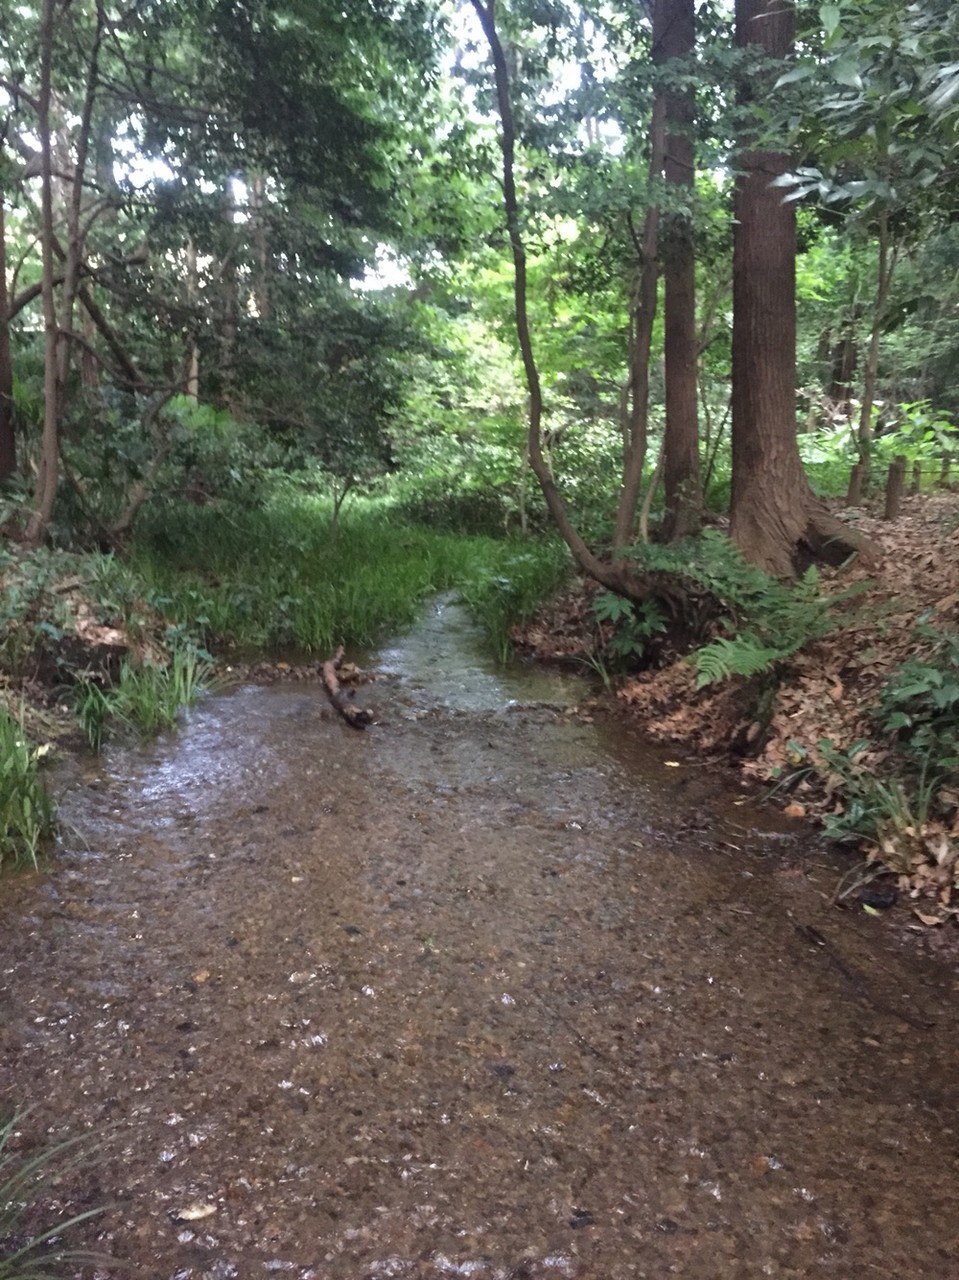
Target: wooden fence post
[{"x": 894, "y": 486}]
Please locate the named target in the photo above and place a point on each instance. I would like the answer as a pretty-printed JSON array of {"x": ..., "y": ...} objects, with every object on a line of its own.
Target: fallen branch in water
[{"x": 358, "y": 717}]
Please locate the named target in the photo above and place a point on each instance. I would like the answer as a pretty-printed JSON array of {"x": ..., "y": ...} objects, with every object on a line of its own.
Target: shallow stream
[{"x": 489, "y": 990}]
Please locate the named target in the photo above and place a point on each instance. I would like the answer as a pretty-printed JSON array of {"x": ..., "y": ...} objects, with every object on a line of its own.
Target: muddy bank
[{"x": 486, "y": 991}]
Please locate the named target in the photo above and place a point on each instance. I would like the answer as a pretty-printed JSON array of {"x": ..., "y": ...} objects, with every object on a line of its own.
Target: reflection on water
[{"x": 443, "y": 664}]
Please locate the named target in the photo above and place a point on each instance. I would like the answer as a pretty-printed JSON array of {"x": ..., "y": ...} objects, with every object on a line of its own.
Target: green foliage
[
  {"x": 92, "y": 706},
  {"x": 919, "y": 705},
  {"x": 33, "y": 611},
  {"x": 279, "y": 577},
  {"x": 766, "y": 619},
  {"x": 26, "y": 812},
  {"x": 147, "y": 696},
  {"x": 634, "y": 625},
  {"x": 30, "y": 1253},
  {"x": 150, "y": 696},
  {"x": 524, "y": 576},
  {"x": 890, "y": 814},
  {"x": 741, "y": 656}
]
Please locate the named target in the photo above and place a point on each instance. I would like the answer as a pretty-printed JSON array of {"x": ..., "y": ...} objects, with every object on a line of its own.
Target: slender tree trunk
[
  {"x": 618, "y": 575},
  {"x": 8, "y": 439},
  {"x": 47, "y": 474},
  {"x": 193, "y": 349},
  {"x": 230, "y": 305},
  {"x": 261, "y": 246},
  {"x": 775, "y": 518},
  {"x": 75, "y": 230},
  {"x": 584, "y": 557},
  {"x": 643, "y": 318},
  {"x": 673, "y": 37},
  {"x": 885, "y": 267}
]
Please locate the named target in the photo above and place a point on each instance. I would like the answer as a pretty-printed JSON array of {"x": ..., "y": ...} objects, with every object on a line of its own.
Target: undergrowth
[
  {"x": 26, "y": 812},
  {"x": 147, "y": 696},
  {"x": 28, "y": 1253},
  {"x": 763, "y": 620},
  {"x": 279, "y": 578}
]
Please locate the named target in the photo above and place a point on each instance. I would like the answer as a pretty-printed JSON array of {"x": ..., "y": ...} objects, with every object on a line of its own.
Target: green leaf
[
  {"x": 845, "y": 70},
  {"x": 898, "y": 720},
  {"x": 792, "y": 76},
  {"x": 830, "y": 16}
]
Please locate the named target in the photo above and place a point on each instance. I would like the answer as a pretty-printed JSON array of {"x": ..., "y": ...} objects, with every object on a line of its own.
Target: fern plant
[
  {"x": 765, "y": 620},
  {"x": 742, "y": 655}
]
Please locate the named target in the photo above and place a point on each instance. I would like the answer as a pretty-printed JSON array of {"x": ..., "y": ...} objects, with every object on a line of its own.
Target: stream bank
[{"x": 488, "y": 990}]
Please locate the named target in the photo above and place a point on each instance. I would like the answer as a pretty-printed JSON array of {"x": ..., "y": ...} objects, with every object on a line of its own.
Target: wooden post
[
  {"x": 895, "y": 485},
  {"x": 857, "y": 478},
  {"x": 916, "y": 485}
]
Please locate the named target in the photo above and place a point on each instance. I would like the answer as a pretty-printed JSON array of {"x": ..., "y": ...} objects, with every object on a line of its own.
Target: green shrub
[
  {"x": 919, "y": 705},
  {"x": 765, "y": 620},
  {"x": 26, "y": 812},
  {"x": 509, "y": 593}
]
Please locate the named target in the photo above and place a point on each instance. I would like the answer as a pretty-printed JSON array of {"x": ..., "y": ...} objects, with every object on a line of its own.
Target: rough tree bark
[
  {"x": 673, "y": 36},
  {"x": 776, "y": 519}
]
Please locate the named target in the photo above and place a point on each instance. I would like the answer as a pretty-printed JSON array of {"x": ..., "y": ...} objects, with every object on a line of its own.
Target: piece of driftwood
[{"x": 342, "y": 699}]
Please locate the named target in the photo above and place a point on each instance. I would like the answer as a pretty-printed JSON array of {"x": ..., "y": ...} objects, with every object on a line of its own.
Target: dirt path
[{"x": 485, "y": 991}]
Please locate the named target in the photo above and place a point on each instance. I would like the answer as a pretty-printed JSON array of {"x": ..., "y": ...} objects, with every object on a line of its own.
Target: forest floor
[{"x": 819, "y": 746}]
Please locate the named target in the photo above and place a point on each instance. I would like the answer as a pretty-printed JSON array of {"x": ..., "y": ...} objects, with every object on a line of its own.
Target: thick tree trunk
[
  {"x": 775, "y": 520},
  {"x": 673, "y": 37}
]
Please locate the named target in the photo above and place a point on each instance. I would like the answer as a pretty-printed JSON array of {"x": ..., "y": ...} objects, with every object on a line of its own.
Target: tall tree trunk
[
  {"x": 230, "y": 307},
  {"x": 673, "y": 37},
  {"x": 8, "y": 439},
  {"x": 75, "y": 229},
  {"x": 885, "y": 266},
  {"x": 261, "y": 244},
  {"x": 775, "y": 518},
  {"x": 47, "y": 473},
  {"x": 193, "y": 347},
  {"x": 645, "y": 299}
]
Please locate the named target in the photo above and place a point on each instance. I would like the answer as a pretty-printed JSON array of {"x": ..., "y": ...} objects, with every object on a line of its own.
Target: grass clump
[
  {"x": 27, "y": 1254},
  {"x": 26, "y": 811},
  {"x": 147, "y": 696}
]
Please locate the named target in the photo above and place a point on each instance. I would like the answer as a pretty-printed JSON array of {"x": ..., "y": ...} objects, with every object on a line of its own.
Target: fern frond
[{"x": 742, "y": 656}]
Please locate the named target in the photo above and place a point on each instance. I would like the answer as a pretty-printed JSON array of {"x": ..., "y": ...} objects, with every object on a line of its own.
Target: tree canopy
[{"x": 196, "y": 195}]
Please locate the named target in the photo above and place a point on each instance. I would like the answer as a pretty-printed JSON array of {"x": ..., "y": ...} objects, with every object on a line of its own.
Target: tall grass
[
  {"x": 26, "y": 812},
  {"x": 146, "y": 696},
  {"x": 279, "y": 578},
  {"x": 26, "y": 1254}
]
